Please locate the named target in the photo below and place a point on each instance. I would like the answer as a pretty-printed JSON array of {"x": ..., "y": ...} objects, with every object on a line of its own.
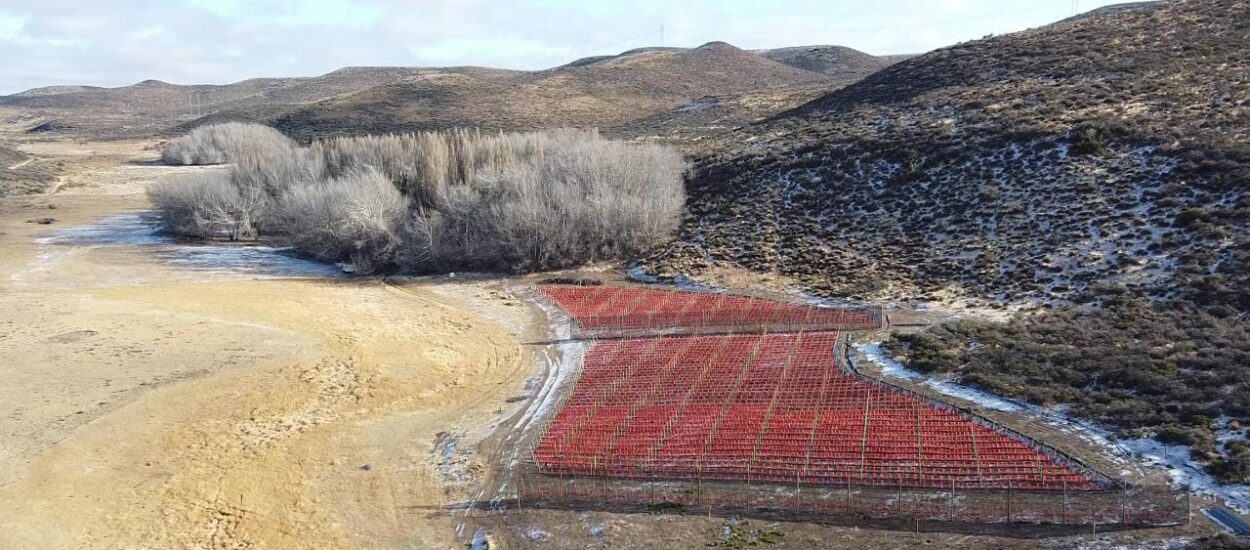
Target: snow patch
[
  {"x": 889, "y": 367},
  {"x": 1175, "y": 460}
]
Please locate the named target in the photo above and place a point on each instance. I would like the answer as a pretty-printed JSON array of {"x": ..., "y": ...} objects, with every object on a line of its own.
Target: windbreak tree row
[{"x": 431, "y": 201}]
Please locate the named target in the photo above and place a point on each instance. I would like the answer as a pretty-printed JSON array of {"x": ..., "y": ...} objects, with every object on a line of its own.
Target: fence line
[{"x": 1110, "y": 503}]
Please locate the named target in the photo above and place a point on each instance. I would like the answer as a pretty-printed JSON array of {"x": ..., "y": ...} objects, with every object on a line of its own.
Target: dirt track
[{"x": 148, "y": 407}]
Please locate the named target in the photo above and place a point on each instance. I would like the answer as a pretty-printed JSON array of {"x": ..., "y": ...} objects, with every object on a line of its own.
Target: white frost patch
[
  {"x": 1185, "y": 471},
  {"x": 559, "y": 370},
  {"x": 890, "y": 367},
  {"x": 1175, "y": 460},
  {"x": 140, "y": 231}
]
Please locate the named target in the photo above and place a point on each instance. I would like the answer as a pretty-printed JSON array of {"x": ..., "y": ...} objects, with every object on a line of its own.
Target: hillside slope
[
  {"x": 1020, "y": 167},
  {"x": 22, "y": 174}
]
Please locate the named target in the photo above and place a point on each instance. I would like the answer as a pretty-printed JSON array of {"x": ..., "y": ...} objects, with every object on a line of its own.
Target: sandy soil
[{"x": 148, "y": 407}]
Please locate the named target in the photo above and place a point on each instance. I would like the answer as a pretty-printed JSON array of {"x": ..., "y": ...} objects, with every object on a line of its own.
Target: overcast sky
[{"x": 119, "y": 42}]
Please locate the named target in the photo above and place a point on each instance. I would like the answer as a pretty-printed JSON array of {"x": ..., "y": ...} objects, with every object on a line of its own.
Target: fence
[
  {"x": 782, "y": 424},
  {"x": 847, "y": 502},
  {"x": 780, "y": 408},
  {"x": 616, "y": 312}
]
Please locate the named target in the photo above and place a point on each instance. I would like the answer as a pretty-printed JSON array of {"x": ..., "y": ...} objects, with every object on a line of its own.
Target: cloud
[{"x": 119, "y": 42}]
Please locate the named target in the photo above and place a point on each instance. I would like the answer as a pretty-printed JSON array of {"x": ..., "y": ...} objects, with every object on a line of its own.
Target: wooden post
[
  {"x": 847, "y": 495},
  {"x": 1010, "y": 517},
  {"x": 1065, "y": 502},
  {"x": 898, "y": 506},
  {"x": 950, "y": 502}
]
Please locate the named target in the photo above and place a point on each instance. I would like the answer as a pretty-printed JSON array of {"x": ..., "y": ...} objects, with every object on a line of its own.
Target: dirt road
[{"x": 148, "y": 406}]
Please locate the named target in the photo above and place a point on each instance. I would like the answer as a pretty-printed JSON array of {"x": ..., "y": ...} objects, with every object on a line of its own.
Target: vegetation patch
[
  {"x": 1179, "y": 374},
  {"x": 431, "y": 201}
]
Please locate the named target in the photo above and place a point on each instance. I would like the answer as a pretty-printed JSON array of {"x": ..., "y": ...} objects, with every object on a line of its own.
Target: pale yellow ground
[{"x": 141, "y": 408}]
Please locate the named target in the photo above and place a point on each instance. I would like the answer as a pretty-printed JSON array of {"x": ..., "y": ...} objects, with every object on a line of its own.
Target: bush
[
  {"x": 207, "y": 206},
  {"x": 454, "y": 200},
  {"x": 357, "y": 217},
  {"x": 1162, "y": 369},
  {"x": 225, "y": 143}
]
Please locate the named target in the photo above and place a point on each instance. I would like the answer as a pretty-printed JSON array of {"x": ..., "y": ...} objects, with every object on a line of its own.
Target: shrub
[
  {"x": 225, "y": 143},
  {"x": 357, "y": 217},
  {"x": 207, "y": 206},
  {"x": 453, "y": 200}
]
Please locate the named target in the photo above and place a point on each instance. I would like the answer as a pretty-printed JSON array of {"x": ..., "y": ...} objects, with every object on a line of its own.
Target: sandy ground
[{"x": 148, "y": 407}]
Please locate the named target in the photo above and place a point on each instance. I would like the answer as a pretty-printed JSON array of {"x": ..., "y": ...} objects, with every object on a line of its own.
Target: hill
[
  {"x": 153, "y": 107},
  {"x": 1094, "y": 171},
  {"x": 646, "y": 92},
  {"x": 1017, "y": 167},
  {"x": 615, "y": 93},
  {"x": 844, "y": 65}
]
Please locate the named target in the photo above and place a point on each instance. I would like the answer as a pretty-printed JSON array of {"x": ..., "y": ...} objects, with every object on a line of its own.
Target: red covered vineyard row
[
  {"x": 772, "y": 407},
  {"x": 614, "y": 310}
]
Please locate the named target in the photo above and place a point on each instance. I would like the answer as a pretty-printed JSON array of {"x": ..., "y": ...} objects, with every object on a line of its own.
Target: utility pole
[{"x": 661, "y": 35}]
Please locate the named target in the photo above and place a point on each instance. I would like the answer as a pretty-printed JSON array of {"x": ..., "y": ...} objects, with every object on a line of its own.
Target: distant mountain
[{"x": 1036, "y": 165}]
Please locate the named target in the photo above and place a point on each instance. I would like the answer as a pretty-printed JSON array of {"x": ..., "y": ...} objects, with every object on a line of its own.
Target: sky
[{"x": 120, "y": 42}]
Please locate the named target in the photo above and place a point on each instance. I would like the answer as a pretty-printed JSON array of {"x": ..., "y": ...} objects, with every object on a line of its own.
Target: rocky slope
[{"x": 1026, "y": 167}]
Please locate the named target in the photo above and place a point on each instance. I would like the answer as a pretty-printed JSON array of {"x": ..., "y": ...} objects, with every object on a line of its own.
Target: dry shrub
[
  {"x": 356, "y": 218},
  {"x": 438, "y": 201},
  {"x": 208, "y": 206},
  {"x": 225, "y": 143}
]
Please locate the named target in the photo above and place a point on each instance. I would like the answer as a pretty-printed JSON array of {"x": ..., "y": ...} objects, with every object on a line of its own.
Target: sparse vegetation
[
  {"x": 1168, "y": 372},
  {"x": 433, "y": 201},
  {"x": 20, "y": 174}
]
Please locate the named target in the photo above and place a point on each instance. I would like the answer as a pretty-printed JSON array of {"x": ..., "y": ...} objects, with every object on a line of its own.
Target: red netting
[
  {"x": 773, "y": 407},
  {"x": 615, "y": 310}
]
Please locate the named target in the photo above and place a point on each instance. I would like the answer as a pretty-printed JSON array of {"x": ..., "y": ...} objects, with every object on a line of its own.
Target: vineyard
[{"x": 711, "y": 413}]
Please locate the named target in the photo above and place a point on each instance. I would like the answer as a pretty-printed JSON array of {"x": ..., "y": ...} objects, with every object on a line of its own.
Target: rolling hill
[
  {"x": 152, "y": 107},
  {"x": 841, "y": 63},
  {"x": 670, "y": 93},
  {"x": 612, "y": 93}
]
